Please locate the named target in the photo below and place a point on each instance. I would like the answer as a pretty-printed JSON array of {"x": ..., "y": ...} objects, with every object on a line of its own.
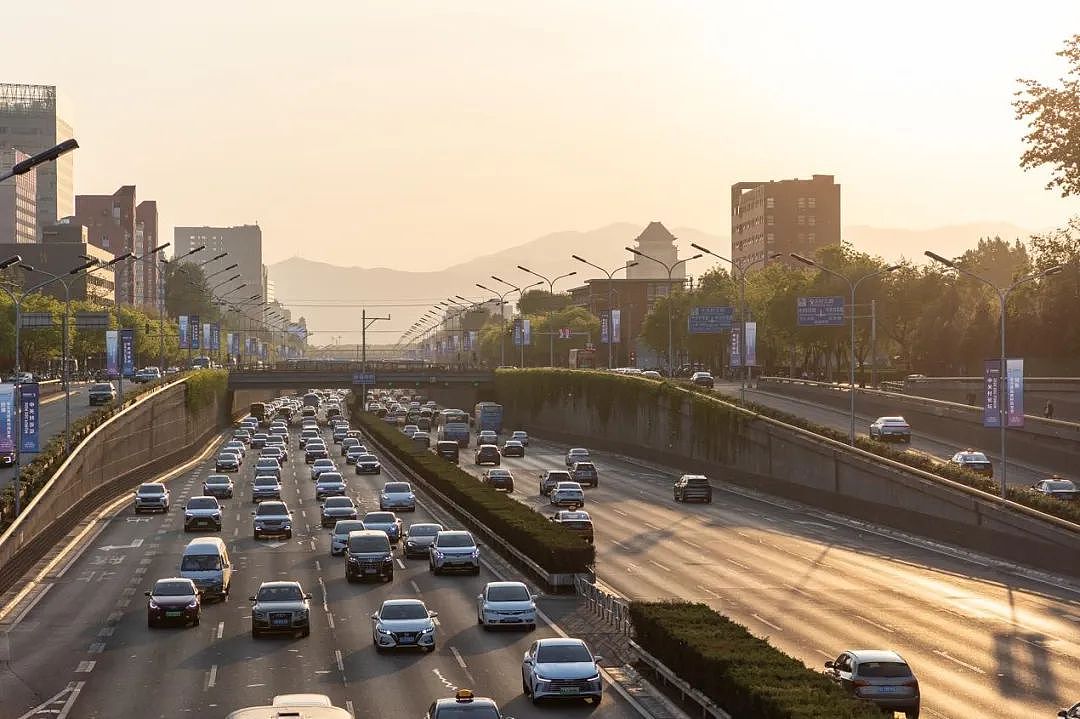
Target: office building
[
  {"x": 64, "y": 247},
  {"x": 782, "y": 217},
  {"x": 111, "y": 225},
  {"x": 30, "y": 122},
  {"x": 18, "y": 201},
  {"x": 244, "y": 245},
  {"x": 147, "y": 291}
]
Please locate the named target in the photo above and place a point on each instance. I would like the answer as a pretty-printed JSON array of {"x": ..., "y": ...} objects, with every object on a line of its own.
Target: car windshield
[
  {"x": 1060, "y": 485},
  {"x": 498, "y": 473},
  {"x": 369, "y": 544},
  {"x": 455, "y": 540},
  {"x": 200, "y": 563},
  {"x": 288, "y": 593},
  {"x": 172, "y": 588},
  {"x": 101, "y": 388},
  {"x": 320, "y": 463},
  {"x": 974, "y": 458},
  {"x": 217, "y": 479},
  {"x": 271, "y": 509},
  {"x": 697, "y": 481},
  {"x": 508, "y": 594},
  {"x": 265, "y": 480},
  {"x": 152, "y": 489},
  {"x": 397, "y": 487},
  {"x": 425, "y": 530},
  {"x": 349, "y": 526},
  {"x": 366, "y": 458},
  {"x": 585, "y": 467},
  {"x": 267, "y": 462},
  {"x": 202, "y": 503},
  {"x": 330, "y": 478},
  {"x": 379, "y": 518},
  {"x": 468, "y": 711},
  {"x": 557, "y": 476},
  {"x": 338, "y": 502},
  {"x": 403, "y": 611},
  {"x": 559, "y": 653},
  {"x": 884, "y": 669}
]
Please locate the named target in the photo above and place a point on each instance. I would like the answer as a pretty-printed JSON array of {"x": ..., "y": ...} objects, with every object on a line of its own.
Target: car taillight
[
  {"x": 859, "y": 683},
  {"x": 913, "y": 683}
]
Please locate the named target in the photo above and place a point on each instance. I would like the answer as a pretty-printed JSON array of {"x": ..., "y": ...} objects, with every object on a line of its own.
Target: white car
[
  {"x": 454, "y": 550},
  {"x": 330, "y": 484},
  {"x": 561, "y": 668},
  {"x": 507, "y": 605},
  {"x": 397, "y": 496},
  {"x": 339, "y": 537},
  {"x": 151, "y": 497},
  {"x": 320, "y": 466},
  {"x": 403, "y": 623},
  {"x": 567, "y": 494}
]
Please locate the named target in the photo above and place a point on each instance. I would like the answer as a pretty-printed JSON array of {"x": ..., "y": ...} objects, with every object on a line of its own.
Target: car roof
[
  {"x": 875, "y": 655},
  {"x": 343, "y": 523},
  {"x": 578, "y": 450},
  {"x": 573, "y": 514},
  {"x": 560, "y": 642},
  {"x": 449, "y": 532},
  {"x": 402, "y": 602},
  {"x": 173, "y": 579},
  {"x": 892, "y": 419},
  {"x": 279, "y": 583},
  {"x": 491, "y": 585}
]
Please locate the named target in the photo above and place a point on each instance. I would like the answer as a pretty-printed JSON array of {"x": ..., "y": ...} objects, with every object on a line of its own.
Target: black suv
[
  {"x": 693, "y": 487},
  {"x": 488, "y": 454},
  {"x": 368, "y": 554},
  {"x": 585, "y": 473},
  {"x": 552, "y": 477},
  {"x": 448, "y": 451}
]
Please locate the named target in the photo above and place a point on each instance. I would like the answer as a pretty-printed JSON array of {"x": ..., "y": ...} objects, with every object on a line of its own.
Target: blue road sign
[
  {"x": 820, "y": 311},
  {"x": 709, "y": 320},
  {"x": 363, "y": 378}
]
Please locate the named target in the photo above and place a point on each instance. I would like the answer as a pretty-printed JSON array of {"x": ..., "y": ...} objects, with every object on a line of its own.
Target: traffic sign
[
  {"x": 710, "y": 320},
  {"x": 363, "y": 378},
  {"x": 820, "y": 311},
  {"x": 37, "y": 319},
  {"x": 92, "y": 320}
]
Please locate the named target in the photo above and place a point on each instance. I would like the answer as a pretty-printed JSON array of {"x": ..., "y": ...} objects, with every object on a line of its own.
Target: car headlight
[
  {"x": 188, "y": 515},
  {"x": 259, "y": 614},
  {"x": 438, "y": 554},
  {"x": 216, "y": 515},
  {"x": 193, "y": 603},
  {"x": 302, "y": 613},
  {"x": 475, "y": 554},
  {"x": 539, "y": 677},
  {"x": 428, "y": 630},
  {"x": 380, "y": 630},
  {"x": 154, "y": 605}
]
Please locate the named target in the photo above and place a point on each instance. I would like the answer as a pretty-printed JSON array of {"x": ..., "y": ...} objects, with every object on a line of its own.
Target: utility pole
[{"x": 366, "y": 322}]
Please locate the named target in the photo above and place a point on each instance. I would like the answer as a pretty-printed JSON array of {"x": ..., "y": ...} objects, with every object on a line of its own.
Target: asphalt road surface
[
  {"x": 89, "y": 630},
  {"x": 52, "y": 420},
  {"x": 983, "y": 638}
]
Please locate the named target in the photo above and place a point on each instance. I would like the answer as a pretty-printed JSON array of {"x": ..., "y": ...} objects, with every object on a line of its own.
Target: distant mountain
[{"x": 949, "y": 241}]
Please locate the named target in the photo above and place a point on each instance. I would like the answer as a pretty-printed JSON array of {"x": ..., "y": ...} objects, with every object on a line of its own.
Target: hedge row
[
  {"x": 552, "y": 547},
  {"x": 204, "y": 387},
  {"x": 744, "y": 675}
]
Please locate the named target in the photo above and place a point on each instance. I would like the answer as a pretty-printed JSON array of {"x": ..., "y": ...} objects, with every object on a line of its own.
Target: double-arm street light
[
  {"x": 1003, "y": 297},
  {"x": 853, "y": 285},
  {"x": 670, "y": 269},
  {"x": 551, "y": 307},
  {"x": 24, "y": 166},
  {"x": 610, "y": 321}
]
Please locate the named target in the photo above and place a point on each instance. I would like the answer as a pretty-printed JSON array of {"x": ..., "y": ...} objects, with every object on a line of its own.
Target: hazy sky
[{"x": 416, "y": 134}]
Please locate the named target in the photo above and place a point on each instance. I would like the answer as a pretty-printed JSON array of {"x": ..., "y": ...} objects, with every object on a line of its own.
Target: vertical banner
[
  {"x": 112, "y": 348},
  {"x": 264, "y": 350},
  {"x": 751, "y": 344},
  {"x": 616, "y": 326},
  {"x": 736, "y": 346},
  {"x": 194, "y": 336},
  {"x": 228, "y": 342},
  {"x": 215, "y": 336},
  {"x": 517, "y": 332},
  {"x": 526, "y": 332},
  {"x": 235, "y": 343},
  {"x": 991, "y": 393},
  {"x": 206, "y": 337},
  {"x": 29, "y": 400},
  {"x": 252, "y": 346},
  {"x": 473, "y": 335},
  {"x": 127, "y": 352},
  {"x": 1014, "y": 392},
  {"x": 7, "y": 418},
  {"x": 604, "y": 330},
  {"x": 184, "y": 333}
]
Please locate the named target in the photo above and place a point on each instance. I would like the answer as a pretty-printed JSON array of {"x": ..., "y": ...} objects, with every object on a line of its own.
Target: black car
[
  {"x": 1057, "y": 488},
  {"x": 487, "y": 454},
  {"x": 227, "y": 463},
  {"x": 315, "y": 451},
  {"x": 499, "y": 479},
  {"x": 218, "y": 485},
  {"x": 448, "y": 450},
  {"x": 585, "y": 473},
  {"x": 703, "y": 379},
  {"x": 280, "y": 607},
  {"x": 173, "y": 601},
  {"x": 693, "y": 488},
  {"x": 513, "y": 448}
]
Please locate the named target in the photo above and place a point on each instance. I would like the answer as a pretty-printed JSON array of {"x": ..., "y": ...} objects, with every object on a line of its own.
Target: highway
[
  {"x": 52, "y": 420},
  {"x": 89, "y": 630},
  {"x": 983, "y": 640}
]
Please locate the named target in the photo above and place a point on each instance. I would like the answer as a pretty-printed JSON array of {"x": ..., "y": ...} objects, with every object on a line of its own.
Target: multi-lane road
[
  {"x": 52, "y": 419},
  {"x": 88, "y": 631},
  {"x": 984, "y": 639}
]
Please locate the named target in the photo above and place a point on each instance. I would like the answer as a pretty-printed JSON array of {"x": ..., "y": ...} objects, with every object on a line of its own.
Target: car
[
  {"x": 567, "y": 494},
  {"x": 367, "y": 464},
  {"x": 271, "y": 518},
  {"x": 202, "y": 512},
  {"x": 227, "y": 462},
  {"x": 1057, "y": 488},
  {"x": 421, "y": 438},
  {"x": 550, "y": 478},
  {"x": 464, "y": 705},
  {"x": 308, "y": 433},
  {"x": 173, "y": 600},
  {"x": 418, "y": 538},
  {"x": 878, "y": 676},
  {"x": 409, "y": 430},
  {"x": 322, "y": 465},
  {"x": 101, "y": 393},
  {"x": 151, "y": 497},
  {"x": 368, "y": 554},
  {"x": 348, "y": 443},
  {"x": 339, "y": 536},
  {"x": 235, "y": 446},
  {"x": 403, "y": 623},
  {"x": 386, "y": 521},
  {"x": 585, "y": 473},
  {"x": 339, "y": 433},
  {"x": 487, "y": 454},
  {"x": 337, "y": 508},
  {"x": 577, "y": 454},
  {"x": 274, "y": 451},
  {"x": 487, "y": 436},
  {"x": 218, "y": 485},
  {"x": 703, "y": 379},
  {"x": 692, "y": 488},
  {"x": 506, "y": 605},
  {"x": 355, "y": 453},
  {"x": 268, "y": 465},
  {"x": 577, "y": 521},
  {"x": 1071, "y": 713},
  {"x": 258, "y": 441},
  {"x": 973, "y": 461},
  {"x": 397, "y": 495},
  {"x": 314, "y": 451},
  {"x": 280, "y": 607},
  {"x": 651, "y": 374},
  {"x": 513, "y": 448},
  {"x": 243, "y": 435},
  {"x": 264, "y": 487},
  {"x": 561, "y": 668},
  {"x": 454, "y": 550},
  {"x": 520, "y": 435},
  {"x": 891, "y": 429},
  {"x": 330, "y": 484},
  {"x": 448, "y": 450},
  {"x": 499, "y": 478}
]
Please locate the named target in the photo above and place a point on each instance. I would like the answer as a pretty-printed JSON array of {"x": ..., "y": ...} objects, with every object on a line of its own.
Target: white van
[{"x": 206, "y": 562}]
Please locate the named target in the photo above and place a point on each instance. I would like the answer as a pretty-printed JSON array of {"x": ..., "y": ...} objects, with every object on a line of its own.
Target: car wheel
[
  {"x": 430, "y": 649},
  {"x": 378, "y": 647},
  {"x": 254, "y": 633},
  {"x": 195, "y": 621},
  {"x": 349, "y": 578},
  {"x": 288, "y": 535},
  {"x": 531, "y": 628},
  {"x": 476, "y": 571},
  {"x": 390, "y": 577},
  {"x": 510, "y": 489},
  {"x": 255, "y": 536},
  {"x": 150, "y": 623},
  {"x": 524, "y": 686},
  {"x": 306, "y": 632},
  {"x": 912, "y": 714}
]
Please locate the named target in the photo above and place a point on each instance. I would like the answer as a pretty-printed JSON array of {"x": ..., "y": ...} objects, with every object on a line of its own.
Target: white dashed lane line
[
  {"x": 211, "y": 680},
  {"x": 220, "y": 629},
  {"x": 458, "y": 657}
]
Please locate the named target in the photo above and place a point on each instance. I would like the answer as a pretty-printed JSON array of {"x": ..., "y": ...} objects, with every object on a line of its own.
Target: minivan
[{"x": 205, "y": 561}]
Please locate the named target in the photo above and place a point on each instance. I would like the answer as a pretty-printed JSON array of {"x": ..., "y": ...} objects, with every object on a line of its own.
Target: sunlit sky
[{"x": 416, "y": 134}]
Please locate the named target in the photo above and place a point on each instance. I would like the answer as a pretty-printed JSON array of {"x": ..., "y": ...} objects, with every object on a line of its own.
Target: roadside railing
[
  {"x": 614, "y": 610},
  {"x": 670, "y": 678}
]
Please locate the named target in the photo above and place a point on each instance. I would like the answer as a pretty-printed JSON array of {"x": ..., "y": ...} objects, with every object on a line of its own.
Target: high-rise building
[
  {"x": 111, "y": 225},
  {"x": 30, "y": 122},
  {"x": 244, "y": 245},
  {"x": 769, "y": 218},
  {"x": 64, "y": 247},
  {"x": 18, "y": 201},
  {"x": 146, "y": 231}
]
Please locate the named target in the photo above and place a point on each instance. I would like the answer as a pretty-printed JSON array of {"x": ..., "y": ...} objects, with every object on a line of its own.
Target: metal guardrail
[
  {"x": 708, "y": 706},
  {"x": 613, "y": 609}
]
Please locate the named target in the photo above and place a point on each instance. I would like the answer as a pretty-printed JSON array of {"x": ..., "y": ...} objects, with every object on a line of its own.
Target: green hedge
[
  {"x": 551, "y": 546},
  {"x": 744, "y": 675},
  {"x": 204, "y": 386}
]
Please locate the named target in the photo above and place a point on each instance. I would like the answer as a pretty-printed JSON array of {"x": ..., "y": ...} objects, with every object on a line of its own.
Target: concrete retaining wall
[{"x": 782, "y": 460}]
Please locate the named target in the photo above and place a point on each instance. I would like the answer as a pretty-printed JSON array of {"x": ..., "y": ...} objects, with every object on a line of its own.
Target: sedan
[
  {"x": 202, "y": 513},
  {"x": 506, "y": 605},
  {"x": 314, "y": 451},
  {"x": 368, "y": 464},
  {"x": 878, "y": 676},
  {"x": 976, "y": 462},
  {"x": 577, "y": 454},
  {"x": 454, "y": 550},
  {"x": 173, "y": 600},
  {"x": 330, "y": 484},
  {"x": 891, "y": 429},
  {"x": 280, "y": 607},
  {"x": 348, "y": 443},
  {"x": 271, "y": 518},
  {"x": 268, "y": 465},
  {"x": 520, "y": 435},
  {"x": 339, "y": 538},
  {"x": 354, "y": 453},
  {"x": 499, "y": 478},
  {"x": 487, "y": 436},
  {"x": 218, "y": 485},
  {"x": 1057, "y": 488},
  {"x": 513, "y": 448},
  {"x": 403, "y": 623},
  {"x": 227, "y": 462},
  {"x": 320, "y": 466},
  {"x": 337, "y": 508},
  {"x": 397, "y": 495},
  {"x": 567, "y": 494},
  {"x": 560, "y": 668},
  {"x": 265, "y": 486},
  {"x": 259, "y": 440},
  {"x": 419, "y": 538},
  {"x": 386, "y": 522}
]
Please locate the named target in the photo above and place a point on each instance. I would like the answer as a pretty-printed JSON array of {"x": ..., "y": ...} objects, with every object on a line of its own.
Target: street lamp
[
  {"x": 222, "y": 284},
  {"x": 670, "y": 269},
  {"x": 1003, "y": 297},
  {"x": 215, "y": 258},
  {"x": 853, "y": 284},
  {"x": 233, "y": 266},
  {"x": 551, "y": 312},
  {"x": 611, "y": 323},
  {"x": 54, "y": 152}
]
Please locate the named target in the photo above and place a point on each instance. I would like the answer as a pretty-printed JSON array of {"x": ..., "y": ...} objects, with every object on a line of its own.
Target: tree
[
  {"x": 187, "y": 292},
  {"x": 536, "y": 302},
  {"x": 1053, "y": 115}
]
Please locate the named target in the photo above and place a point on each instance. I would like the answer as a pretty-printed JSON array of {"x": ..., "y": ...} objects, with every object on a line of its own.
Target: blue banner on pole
[
  {"x": 7, "y": 419},
  {"x": 616, "y": 326},
  {"x": 751, "y": 344},
  {"x": 1014, "y": 392},
  {"x": 819, "y": 311},
  {"x": 30, "y": 401},
  {"x": 709, "y": 320},
  {"x": 992, "y": 393},
  {"x": 736, "y": 346},
  {"x": 112, "y": 353},
  {"x": 215, "y": 336},
  {"x": 184, "y": 333},
  {"x": 195, "y": 334},
  {"x": 127, "y": 352},
  {"x": 363, "y": 378}
]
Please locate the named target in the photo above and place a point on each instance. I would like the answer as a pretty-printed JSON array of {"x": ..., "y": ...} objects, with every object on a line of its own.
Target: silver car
[
  {"x": 403, "y": 623},
  {"x": 202, "y": 513},
  {"x": 397, "y": 495},
  {"x": 385, "y": 522},
  {"x": 879, "y": 676},
  {"x": 419, "y": 537},
  {"x": 330, "y": 484},
  {"x": 337, "y": 508},
  {"x": 577, "y": 454},
  {"x": 320, "y": 466},
  {"x": 280, "y": 607},
  {"x": 567, "y": 494},
  {"x": 271, "y": 518},
  {"x": 265, "y": 487},
  {"x": 454, "y": 550},
  {"x": 507, "y": 605},
  {"x": 560, "y": 668},
  {"x": 339, "y": 538},
  {"x": 151, "y": 497}
]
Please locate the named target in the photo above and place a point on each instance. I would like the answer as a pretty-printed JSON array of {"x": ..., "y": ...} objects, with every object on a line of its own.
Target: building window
[
  {"x": 811, "y": 220},
  {"x": 770, "y": 220},
  {"x": 770, "y": 238},
  {"x": 811, "y": 238},
  {"x": 802, "y": 237},
  {"x": 811, "y": 202},
  {"x": 801, "y": 203},
  {"x": 770, "y": 202},
  {"x": 801, "y": 219}
]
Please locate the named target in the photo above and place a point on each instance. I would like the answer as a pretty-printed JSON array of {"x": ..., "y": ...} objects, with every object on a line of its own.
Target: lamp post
[
  {"x": 54, "y": 152},
  {"x": 1003, "y": 297},
  {"x": 159, "y": 282},
  {"x": 611, "y": 323},
  {"x": 551, "y": 312},
  {"x": 853, "y": 285},
  {"x": 670, "y": 269}
]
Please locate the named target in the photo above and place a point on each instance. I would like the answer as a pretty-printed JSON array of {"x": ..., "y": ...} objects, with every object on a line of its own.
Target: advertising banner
[
  {"x": 234, "y": 343},
  {"x": 1014, "y": 392},
  {"x": 526, "y": 332},
  {"x": 616, "y": 326},
  {"x": 709, "y": 320},
  {"x": 7, "y": 418},
  {"x": 196, "y": 332},
  {"x": 228, "y": 343},
  {"x": 819, "y": 311},
  {"x": 29, "y": 399},
  {"x": 215, "y": 336},
  {"x": 517, "y": 332},
  {"x": 252, "y": 345},
  {"x": 127, "y": 352},
  {"x": 112, "y": 353},
  {"x": 603, "y": 330},
  {"x": 991, "y": 393},
  {"x": 264, "y": 351},
  {"x": 206, "y": 336},
  {"x": 184, "y": 333},
  {"x": 751, "y": 344},
  {"x": 473, "y": 336},
  {"x": 736, "y": 346}
]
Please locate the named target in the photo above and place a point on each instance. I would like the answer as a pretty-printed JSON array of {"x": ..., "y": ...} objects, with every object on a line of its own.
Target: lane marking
[
  {"x": 708, "y": 591},
  {"x": 767, "y": 622},
  {"x": 318, "y": 567},
  {"x": 620, "y": 512},
  {"x": 650, "y": 525},
  {"x": 220, "y": 629},
  {"x": 666, "y": 569},
  {"x": 66, "y": 709},
  {"x": 415, "y": 586},
  {"x": 85, "y": 667},
  {"x": 106, "y": 632},
  {"x": 436, "y": 622},
  {"x": 460, "y": 659},
  {"x": 330, "y": 619},
  {"x": 793, "y": 588},
  {"x": 349, "y": 707},
  {"x": 212, "y": 680},
  {"x": 96, "y": 648},
  {"x": 882, "y": 627},
  {"x": 340, "y": 662},
  {"x": 695, "y": 545},
  {"x": 401, "y": 564},
  {"x": 945, "y": 655},
  {"x": 736, "y": 563},
  {"x": 619, "y": 544}
]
